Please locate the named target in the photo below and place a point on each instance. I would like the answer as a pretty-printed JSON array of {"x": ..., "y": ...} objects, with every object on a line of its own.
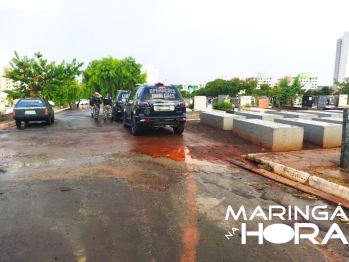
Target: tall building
[
  {"x": 341, "y": 66},
  {"x": 152, "y": 74},
  {"x": 5, "y": 83}
]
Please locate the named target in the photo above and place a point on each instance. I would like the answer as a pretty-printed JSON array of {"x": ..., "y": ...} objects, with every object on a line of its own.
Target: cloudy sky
[{"x": 188, "y": 41}]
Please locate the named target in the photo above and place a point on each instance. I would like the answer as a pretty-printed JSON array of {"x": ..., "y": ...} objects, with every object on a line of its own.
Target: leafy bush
[
  {"x": 222, "y": 105},
  {"x": 248, "y": 105}
]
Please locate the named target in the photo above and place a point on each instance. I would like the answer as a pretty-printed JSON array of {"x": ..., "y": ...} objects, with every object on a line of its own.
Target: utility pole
[{"x": 344, "y": 160}]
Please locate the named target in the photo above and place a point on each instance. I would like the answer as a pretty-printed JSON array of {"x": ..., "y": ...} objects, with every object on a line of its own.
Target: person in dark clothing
[
  {"x": 91, "y": 105},
  {"x": 107, "y": 109},
  {"x": 96, "y": 105}
]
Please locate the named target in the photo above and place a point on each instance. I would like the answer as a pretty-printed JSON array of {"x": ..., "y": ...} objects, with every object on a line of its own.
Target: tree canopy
[
  {"x": 344, "y": 86},
  {"x": 36, "y": 77},
  {"x": 109, "y": 75},
  {"x": 288, "y": 92}
]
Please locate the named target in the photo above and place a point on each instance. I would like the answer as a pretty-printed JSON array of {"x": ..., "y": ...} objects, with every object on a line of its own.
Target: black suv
[
  {"x": 155, "y": 106},
  {"x": 118, "y": 104}
]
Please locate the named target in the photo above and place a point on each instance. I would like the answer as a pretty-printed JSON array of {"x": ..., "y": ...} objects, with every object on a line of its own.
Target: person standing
[
  {"x": 96, "y": 105},
  {"x": 91, "y": 105},
  {"x": 107, "y": 109}
]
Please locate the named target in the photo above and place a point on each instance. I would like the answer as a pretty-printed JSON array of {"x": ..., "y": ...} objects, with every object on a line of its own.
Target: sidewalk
[{"x": 318, "y": 168}]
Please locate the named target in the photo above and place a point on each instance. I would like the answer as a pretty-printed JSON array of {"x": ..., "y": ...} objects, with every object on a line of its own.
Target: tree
[
  {"x": 288, "y": 93},
  {"x": 109, "y": 75},
  {"x": 344, "y": 86},
  {"x": 38, "y": 78}
]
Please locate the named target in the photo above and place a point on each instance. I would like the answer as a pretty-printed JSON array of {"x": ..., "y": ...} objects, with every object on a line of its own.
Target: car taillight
[
  {"x": 182, "y": 104},
  {"x": 13, "y": 113},
  {"x": 143, "y": 104},
  {"x": 182, "y": 119},
  {"x": 145, "y": 120},
  {"x": 46, "y": 112}
]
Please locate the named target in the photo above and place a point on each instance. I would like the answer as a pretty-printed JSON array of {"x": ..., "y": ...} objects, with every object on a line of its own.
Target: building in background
[
  {"x": 263, "y": 79},
  {"x": 5, "y": 83},
  {"x": 308, "y": 81},
  {"x": 341, "y": 66},
  {"x": 152, "y": 74}
]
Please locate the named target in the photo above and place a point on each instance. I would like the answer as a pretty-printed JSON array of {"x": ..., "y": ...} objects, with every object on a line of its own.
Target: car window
[
  {"x": 30, "y": 103},
  {"x": 138, "y": 93},
  {"x": 123, "y": 95},
  {"x": 167, "y": 93},
  {"x": 132, "y": 95}
]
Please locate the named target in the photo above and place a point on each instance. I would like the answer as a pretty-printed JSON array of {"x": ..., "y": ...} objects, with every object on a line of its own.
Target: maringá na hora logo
[{"x": 279, "y": 233}]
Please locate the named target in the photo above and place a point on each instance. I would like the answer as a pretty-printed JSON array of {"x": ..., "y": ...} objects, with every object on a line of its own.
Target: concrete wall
[
  {"x": 273, "y": 136},
  {"x": 287, "y": 114},
  {"x": 321, "y": 133},
  {"x": 257, "y": 115},
  {"x": 322, "y": 113},
  {"x": 333, "y": 120},
  {"x": 220, "y": 120},
  {"x": 200, "y": 103}
]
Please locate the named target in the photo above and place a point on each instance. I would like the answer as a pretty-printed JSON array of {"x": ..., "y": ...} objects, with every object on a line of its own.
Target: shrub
[
  {"x": 222, "y": 105},
  {"x": 248, "y": 105}
]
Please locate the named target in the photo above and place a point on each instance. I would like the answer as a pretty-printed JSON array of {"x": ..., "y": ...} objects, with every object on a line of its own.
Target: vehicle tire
[
  {"x": 136, "y": 130},
  {"x": 124, "y": 120},
  {"x": 48, "y": 121},
  {"x": 116, "y": 117},
  {"x": 18, "y": 123},
  {"x": 178, "y": 129},
  {"x": 53, "y": 118}
]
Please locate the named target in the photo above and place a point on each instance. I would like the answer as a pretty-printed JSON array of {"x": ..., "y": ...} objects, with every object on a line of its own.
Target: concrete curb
[
  {"x": 329, "y": 187},
  {"x": 302, "y": 177},
  {"x": 289, "y": 172}
]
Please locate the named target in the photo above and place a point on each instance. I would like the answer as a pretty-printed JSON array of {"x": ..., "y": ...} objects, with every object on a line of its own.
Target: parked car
[
  {"x": 155, "y": 106},
  {"x": 118, "y": 103},
  {"x": 33, "y": 109},
  {"x": 82, "y": 102}
]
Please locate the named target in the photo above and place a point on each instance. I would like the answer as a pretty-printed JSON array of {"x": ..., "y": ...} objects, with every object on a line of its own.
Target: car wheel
[
  {"x": 48, "y": 121},
  {"x": 53, "y": 118},
  {"x": 18, "y": 123},
  {"x": 124, "y": 120},
  {"x": 136, "y": 131},
  {"x": 116, "y": 117},
  {"x": 178, "y": 129}
]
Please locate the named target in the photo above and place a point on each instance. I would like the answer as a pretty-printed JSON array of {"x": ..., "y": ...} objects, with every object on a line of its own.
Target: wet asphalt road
[{"x": 84, "y": 191}]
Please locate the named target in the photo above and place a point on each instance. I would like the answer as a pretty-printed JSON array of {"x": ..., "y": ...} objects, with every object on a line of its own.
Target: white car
[{"x": 82, "y": 102}]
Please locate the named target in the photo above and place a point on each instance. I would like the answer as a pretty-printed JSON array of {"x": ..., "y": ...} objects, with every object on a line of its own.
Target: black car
[
  {"x": 155, "y": 106},
  {"x": 118, "y": 104},
  {"x": 33, "y": 109}
]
